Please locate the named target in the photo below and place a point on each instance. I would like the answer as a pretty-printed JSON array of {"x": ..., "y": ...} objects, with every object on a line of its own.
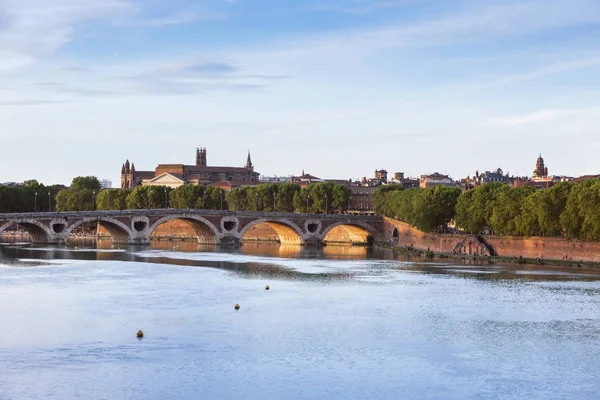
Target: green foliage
[
  {"x": 75, "y": 200},
  {"x": 379, "y": 198},
  {"x": 427, "y": 209},
  {"x": 148, "y": 197},
  {"x": 569, "y": 209},
  {"x": 581, "y": 217},
  {"x": 288, "y": 197},
  {"x": 475, "y": 207},
  {"x": 187, "y": 196},
  {"x": 322, "y": 197},
  {"x": 86, "y": 183},
  {"x": 112, "y": 199},
  {"x": 31, "y": 196}
]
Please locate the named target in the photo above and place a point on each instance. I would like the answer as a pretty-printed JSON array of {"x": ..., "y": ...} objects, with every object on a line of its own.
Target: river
[{"x": 337, "y": 323}]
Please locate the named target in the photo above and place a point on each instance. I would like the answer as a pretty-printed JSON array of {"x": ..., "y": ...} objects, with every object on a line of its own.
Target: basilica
[{"x": 175, "y": 175}]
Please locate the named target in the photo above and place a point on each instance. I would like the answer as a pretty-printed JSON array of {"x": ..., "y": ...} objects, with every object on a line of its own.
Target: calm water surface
[{"x": 338, "y": 323}]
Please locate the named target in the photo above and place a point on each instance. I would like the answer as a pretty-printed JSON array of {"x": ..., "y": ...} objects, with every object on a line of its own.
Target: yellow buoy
[
  {"x": 267, "y": 287},
  {"x": 237, "y": 306},
  {"x": 140, "y": 334}
]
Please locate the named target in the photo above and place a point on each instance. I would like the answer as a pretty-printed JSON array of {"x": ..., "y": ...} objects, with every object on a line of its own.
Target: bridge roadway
[{"x": 211, "y": 226}]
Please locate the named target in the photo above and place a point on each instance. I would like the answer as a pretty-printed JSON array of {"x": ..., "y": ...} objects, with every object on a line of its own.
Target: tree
[
  {"x": 507, "y": 210},
  {"x": 186, "y": 196},
  {"x": 382, "y": 199},
  {"x": 475, "y": 207},
  {"x": 237, "y": 199},
  {"x": 285, "y": 196},
  {"x": 148, "y": 197},
  {"x": 552, "y": 204},
  {"x": 86, "y": 182},
  {"x": 75, "y": 200},
  {"x": 112, "y": 199}
]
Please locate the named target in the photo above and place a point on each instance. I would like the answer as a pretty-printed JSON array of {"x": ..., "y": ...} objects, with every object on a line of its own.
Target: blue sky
[{"x": 336, "y": 87}]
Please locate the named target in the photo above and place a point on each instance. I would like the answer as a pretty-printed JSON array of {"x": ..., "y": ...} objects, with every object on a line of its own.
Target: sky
[{"x": 338, "y": 88}]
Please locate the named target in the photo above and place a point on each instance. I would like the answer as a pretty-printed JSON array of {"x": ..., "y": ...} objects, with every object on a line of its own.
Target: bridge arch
[
  {"x": 119, "y": 232},
  {"x": 289, "y": 233},
  {"x": 37, "y": 231},
  {"x": 206, "y": 232},
  {"x": 348, "y": 232}
]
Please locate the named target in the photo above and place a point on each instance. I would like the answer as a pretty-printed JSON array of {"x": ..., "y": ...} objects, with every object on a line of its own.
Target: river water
[{"x": 338, "y": 323}]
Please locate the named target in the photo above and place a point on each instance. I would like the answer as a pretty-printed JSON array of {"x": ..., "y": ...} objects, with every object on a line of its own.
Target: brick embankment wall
[
  {"x": 547, "y": 248},
  {"x": 411, "y": 236},
  {"x": 504, "y": 246}
]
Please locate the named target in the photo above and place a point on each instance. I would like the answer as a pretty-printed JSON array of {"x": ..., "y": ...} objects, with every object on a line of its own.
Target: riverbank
[
  {"x": 569, "y": 252},
  {"x": 493, "y": 260}
]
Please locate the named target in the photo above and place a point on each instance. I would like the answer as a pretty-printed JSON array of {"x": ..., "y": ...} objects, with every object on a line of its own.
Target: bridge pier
[{"x": 230, "y": 242}]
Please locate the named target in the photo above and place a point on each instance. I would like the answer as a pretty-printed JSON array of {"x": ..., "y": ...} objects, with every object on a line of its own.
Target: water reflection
[{"x": 328, "y": 263}]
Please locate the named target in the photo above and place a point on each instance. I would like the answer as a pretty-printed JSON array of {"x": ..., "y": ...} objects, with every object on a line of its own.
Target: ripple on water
[{"x": 383, "y": 329}]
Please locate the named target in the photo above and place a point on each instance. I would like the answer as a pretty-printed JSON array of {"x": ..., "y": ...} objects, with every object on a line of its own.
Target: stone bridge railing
[{"x": 211, "y": 226}]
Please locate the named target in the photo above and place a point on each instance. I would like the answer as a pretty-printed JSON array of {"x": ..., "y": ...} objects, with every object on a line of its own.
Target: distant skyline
[{"x": 338, "y": 88}]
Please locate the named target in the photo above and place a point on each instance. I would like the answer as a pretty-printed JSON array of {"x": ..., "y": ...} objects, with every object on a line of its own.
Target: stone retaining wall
[{"x": 504, "y": 246}]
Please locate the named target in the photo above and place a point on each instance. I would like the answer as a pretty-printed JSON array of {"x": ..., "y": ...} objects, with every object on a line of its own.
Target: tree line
[
  {"x": 321, "y": 197},
  {"x": 427, "y": 209},
  {"x": 281, "y": 197},
  {"x": 567, "y": 209},
  {"x": 31, "y": 196}
]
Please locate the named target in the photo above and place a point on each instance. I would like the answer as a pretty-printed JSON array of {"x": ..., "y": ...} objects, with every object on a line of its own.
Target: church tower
[
  {"x": 201, "y": 157},
  {"x": 541, "y": 171},
  {"x": 127, "y": 174},
  {"x": 249, "y": 165}
]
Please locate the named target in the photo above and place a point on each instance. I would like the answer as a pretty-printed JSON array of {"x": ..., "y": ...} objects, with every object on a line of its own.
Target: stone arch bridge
[{"x": 211, "y": 227}]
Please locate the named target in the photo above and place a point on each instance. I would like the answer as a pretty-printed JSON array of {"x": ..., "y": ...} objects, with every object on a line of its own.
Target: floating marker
[
  {"x": 237, "y": 306},
  {"x": 267, "y": 287},
  {"x": 140, "y": 334}
]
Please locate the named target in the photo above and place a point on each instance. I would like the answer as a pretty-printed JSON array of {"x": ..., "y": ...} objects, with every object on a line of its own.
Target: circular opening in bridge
[
  {"x": 139, "y": 226},
  {"x": 58, "y": 228},
  {"x": 312, "y": 228},
  {"x": 229, "y": 225}
]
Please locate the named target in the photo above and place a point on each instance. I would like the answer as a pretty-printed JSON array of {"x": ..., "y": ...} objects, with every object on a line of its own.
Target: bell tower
[{"x": 201, "y": 157}]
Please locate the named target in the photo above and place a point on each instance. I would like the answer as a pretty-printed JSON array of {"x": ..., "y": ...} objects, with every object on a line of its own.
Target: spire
[
  {"x": 123, "y": 169},
  {"x": 303, "y": 172},
  {"x": 249, "y": 162},
  {"x": 127, "y": 166},
  {"x": 132, "y": 167}
]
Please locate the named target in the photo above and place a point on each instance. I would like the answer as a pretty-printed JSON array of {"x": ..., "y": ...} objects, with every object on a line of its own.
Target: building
[
  {"x": 105, "y": 184},
  {"x": 435, "y": 179},
  {"x": 540, "y": 178},
  {"x": 175, "y": 175},
  {"x": 486, "y": 177},
  {"x": 381, "y": 175},
  {"x": 399, "y": 179},
  {"x": 305, "y": 179},
  {"x": 540, "y": 174}
]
